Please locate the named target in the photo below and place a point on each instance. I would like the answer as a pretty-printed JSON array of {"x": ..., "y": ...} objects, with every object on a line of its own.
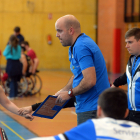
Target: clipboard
[{"x": 48, "y": 108}]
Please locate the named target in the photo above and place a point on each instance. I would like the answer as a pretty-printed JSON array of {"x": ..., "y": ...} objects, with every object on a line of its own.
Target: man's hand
[
  {"x": 112, "y": 85},
  {"x": 25, "y": 110},
  {"x": 28, "y": 116},
  {"x": 57, "y": 93},
  {"x": 62, "y": 96}
]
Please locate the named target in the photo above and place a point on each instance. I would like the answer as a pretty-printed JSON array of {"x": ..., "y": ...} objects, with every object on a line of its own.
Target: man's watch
[{"x": 70, "y": 93}]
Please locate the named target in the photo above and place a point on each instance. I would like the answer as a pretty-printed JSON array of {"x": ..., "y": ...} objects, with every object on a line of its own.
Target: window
[{"x": 132, "y": 11}]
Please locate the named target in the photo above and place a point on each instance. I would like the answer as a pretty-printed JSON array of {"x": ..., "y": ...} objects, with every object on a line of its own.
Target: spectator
[
  {"x": 32, "y": 55},
  {"x": 12, "y": 53},
  {"x": 131, "y": 76},
  {"x": 18, "y": 35},
  {"x": 112, "y": 109}
]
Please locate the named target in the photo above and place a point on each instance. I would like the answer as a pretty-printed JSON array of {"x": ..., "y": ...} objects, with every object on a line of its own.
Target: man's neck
[
  {"x": 28, "y": 49},
  {"x": 75, "y": 38}
]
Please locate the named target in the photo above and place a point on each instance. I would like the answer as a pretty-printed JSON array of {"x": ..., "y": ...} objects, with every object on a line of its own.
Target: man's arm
[
  {"x": 67, "y": 87},
  {"x": 31, "y": 66},
  {"x": 24, "y": 63},
  {"x": 88, "y": 81},
  {"x": 35, "y": 65},
  {"x": 9, "y": 105},
  {"x": 122, "y": 80}
]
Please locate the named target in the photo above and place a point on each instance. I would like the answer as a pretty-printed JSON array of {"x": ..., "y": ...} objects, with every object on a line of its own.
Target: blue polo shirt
[{"x": 87, "y": 54}]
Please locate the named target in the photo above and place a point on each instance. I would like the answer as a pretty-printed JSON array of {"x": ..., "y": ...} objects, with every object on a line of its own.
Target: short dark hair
[
  {"x": 25, "y": 43},
  {"x": 133, "y": 32},
  {"x": 113, "y": 102},
  {"x": 17, "y": 29}
]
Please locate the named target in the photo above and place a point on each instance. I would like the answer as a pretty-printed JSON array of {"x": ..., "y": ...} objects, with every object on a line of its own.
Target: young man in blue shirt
[{"x": 132, "y": 74}]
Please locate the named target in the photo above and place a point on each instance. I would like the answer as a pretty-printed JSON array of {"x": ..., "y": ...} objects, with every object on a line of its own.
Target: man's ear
[
  {"x": 71, "y": 30},
  {"x": 126, "y": 113},
  {"x": 99, "y": 110},
  {"x": 138, "y": 41}
]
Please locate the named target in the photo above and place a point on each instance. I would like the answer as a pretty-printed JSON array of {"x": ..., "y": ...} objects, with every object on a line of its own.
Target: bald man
[{"x": 88, "y": 66}]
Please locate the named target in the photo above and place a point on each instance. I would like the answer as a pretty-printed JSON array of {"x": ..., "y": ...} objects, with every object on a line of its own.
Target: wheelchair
[
  {"x": 30, "y": 84},
  {"x": 22, "y": 86},
  {"x": 34, "y": 83}
]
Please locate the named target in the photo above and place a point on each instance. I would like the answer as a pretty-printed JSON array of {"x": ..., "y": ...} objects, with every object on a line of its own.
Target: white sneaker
[{"x": 10, "y": 98}]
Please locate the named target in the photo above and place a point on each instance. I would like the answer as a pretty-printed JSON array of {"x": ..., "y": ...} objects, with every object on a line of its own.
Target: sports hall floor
[{"x": 19, "y": 128}]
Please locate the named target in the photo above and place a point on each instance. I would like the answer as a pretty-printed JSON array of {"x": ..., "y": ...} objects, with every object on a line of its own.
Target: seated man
[
  {"x": 112, "y": 109},
  {"x": 32, "y": 55},
  {"x": 27, "y": 62}
]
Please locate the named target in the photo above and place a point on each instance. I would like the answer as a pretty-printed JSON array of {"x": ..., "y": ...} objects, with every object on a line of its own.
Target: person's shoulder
[
  {"x": 127, "y": 123},
  {"x": 108, "y": 120},
  {"x": 8, "y": 45},
  {"x": 20, "y": 35},
  {"x": 19, "y": 47},
  {"x": 105, "y": 120},
  {"x": 85, "y": 40}
]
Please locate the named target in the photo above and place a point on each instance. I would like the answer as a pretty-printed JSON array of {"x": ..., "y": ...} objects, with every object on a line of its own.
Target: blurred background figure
[
  {"x": 12, "y": 53},
  {"x": 31, "y": 53},
  {"x": 26, "y": 62},
  {"x": 18, "y": 34}
]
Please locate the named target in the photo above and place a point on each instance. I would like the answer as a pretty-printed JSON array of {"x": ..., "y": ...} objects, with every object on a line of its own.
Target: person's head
[
  {"x": 25, "y": 45},
  {"x": 68, "y": 29},
  {"x": 17, "y": 30},
  {"x": 23, "y": 49},
  {"x": 13, "y": 41},
  {"x": 112, "y": 103},
  {"x": 132, "y": 39}
]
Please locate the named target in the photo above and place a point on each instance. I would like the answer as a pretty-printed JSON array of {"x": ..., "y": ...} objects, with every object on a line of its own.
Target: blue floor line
[{"x": 18, "y": 128}]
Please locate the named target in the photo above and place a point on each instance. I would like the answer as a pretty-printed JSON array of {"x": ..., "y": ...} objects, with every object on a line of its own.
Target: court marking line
[{"x": 12, "y": 130}]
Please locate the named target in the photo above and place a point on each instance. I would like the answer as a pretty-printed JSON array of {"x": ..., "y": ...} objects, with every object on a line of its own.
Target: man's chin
[{"x": 64, "y": 45}]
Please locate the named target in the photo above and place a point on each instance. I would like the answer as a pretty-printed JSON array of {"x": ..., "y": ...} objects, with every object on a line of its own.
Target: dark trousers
[
  {"x": 14, "y": 70},
  {"x": 14, "y": 86},
  {"x": 84, "y": 116},
  {"x": 134, "y": 116}
]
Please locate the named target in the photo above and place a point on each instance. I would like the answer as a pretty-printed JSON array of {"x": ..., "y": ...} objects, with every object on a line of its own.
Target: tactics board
[{"x": 48, "y": 108}]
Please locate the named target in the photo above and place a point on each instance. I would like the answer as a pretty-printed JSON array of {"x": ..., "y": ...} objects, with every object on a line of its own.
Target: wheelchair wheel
[
  {"x": 37, "y": 84},
  {"x": 22, "y": 86},
  {"x": 30, "y": 85},
  {"x": 6, "y": 87}
]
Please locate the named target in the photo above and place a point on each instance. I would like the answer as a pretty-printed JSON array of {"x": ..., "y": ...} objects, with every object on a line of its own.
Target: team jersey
[
  {"x": 132, "y": 78},
  {"x": 133, "y": 81},
  {"x": 31, "y": 54},
  {"x": 100, "y": 129}
]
